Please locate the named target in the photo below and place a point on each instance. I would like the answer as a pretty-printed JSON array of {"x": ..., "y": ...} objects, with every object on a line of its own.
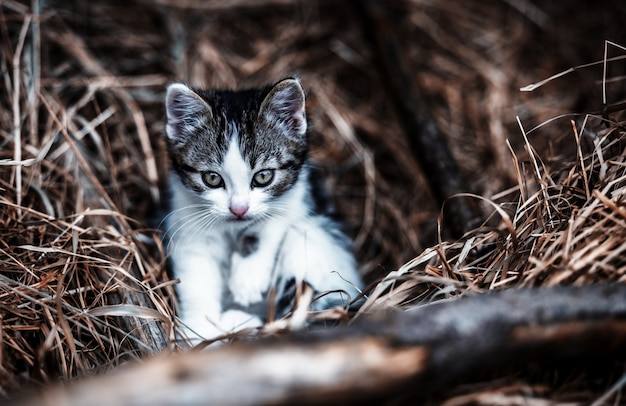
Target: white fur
[
  {"x": 236, "y": 175},
  {"x": 291, "y": 243},
  {"x": 311, "y": 254}
]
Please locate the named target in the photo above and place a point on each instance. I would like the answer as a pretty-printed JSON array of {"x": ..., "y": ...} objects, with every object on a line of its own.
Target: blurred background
[{"x": 466, "y": 62}]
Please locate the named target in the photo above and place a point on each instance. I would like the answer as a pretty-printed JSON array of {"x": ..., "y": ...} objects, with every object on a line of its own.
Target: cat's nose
[{"x": 238, "y": 211}]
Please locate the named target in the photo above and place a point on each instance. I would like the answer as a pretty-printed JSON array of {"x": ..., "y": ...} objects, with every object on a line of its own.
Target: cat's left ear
[{"x": 285, "y": 105}]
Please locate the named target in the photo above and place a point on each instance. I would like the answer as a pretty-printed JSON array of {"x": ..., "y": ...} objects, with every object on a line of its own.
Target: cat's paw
[
  {"x": 248, "y": 280},
  {"x": 235, "y": 320},
  {"x": 199, "y": 328},
  {"x": 245, "y": 290}
]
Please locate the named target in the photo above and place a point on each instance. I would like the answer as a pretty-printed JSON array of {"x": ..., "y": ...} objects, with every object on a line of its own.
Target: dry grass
[
  {"x": 72, "y": 258},
  {"x": 563, "y": 224},
  {"x": 83, "y": 285}
]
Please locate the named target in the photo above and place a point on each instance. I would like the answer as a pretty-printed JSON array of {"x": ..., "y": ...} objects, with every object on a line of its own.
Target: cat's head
[{"x": 240, "y": 152}]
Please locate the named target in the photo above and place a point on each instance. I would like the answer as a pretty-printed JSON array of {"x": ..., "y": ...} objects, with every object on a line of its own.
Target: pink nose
[{"x": 239, "y": 211}]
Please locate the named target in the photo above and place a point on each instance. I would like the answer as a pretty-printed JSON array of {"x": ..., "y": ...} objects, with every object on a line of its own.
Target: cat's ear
[
  {"x": 186, "y": 111},
  {"x": 284, "y": 105}
]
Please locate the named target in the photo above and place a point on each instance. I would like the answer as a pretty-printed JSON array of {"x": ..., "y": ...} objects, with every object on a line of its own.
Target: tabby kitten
[{"x": 242, "y": 218}]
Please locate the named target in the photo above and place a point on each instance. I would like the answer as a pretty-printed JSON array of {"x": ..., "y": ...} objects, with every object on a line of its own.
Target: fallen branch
[{"x": 427, "y": 347}]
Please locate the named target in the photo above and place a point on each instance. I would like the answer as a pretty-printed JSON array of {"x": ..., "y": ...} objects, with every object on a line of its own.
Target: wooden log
[{"x": 411, "y": 352}]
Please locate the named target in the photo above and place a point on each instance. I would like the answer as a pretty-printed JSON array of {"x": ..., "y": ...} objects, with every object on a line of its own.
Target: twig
[
  {"x": 17, "y": 119},
  {"x": 33, "y": 91}
]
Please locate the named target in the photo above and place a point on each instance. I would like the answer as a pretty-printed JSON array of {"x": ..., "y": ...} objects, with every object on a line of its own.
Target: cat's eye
[
  {"x": 263, "y": 178},
  {"x": 212, "y": 179}
]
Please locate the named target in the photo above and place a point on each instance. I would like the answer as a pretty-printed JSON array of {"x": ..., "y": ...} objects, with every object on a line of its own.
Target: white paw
[
  {"x": 200, "y": 328},
  {"x": 234, "y": 320},
  {"x": 248, "y": 280},
  {"x": 245, "y": 289}
]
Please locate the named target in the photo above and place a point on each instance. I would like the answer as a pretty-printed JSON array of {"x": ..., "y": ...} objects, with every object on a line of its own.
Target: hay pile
[{"x": 83, "y": 285}]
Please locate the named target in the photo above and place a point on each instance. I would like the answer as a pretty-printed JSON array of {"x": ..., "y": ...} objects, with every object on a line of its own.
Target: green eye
[
  {"x": 212, "y": 179},
  {"x": 263, "y": 178}
]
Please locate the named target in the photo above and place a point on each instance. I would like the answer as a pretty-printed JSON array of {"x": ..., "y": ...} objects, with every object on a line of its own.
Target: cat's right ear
[{"x": 186, "y": 112}]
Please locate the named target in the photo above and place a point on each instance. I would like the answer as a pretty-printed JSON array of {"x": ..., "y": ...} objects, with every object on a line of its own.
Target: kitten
[{"x": 242, "y": 219}]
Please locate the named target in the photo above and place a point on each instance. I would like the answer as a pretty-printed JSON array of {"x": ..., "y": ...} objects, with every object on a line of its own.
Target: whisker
[
  {"x": 195, "y": 222},
  {"x": 180, "y": 209}
]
